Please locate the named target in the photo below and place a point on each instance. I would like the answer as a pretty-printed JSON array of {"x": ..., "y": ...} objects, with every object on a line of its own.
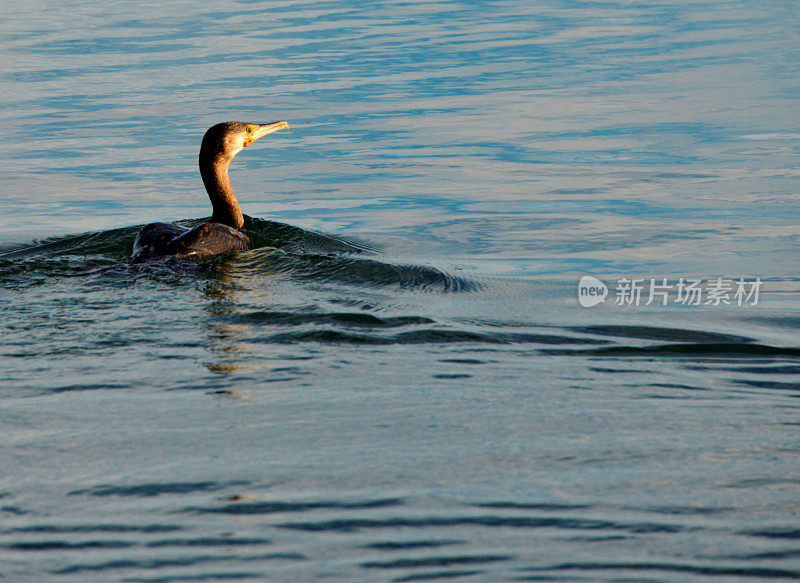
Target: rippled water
[{"x": 399, "y": 383}]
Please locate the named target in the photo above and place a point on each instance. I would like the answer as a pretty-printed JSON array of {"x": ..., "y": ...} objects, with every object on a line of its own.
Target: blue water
[{"x": 401, "y": 384}]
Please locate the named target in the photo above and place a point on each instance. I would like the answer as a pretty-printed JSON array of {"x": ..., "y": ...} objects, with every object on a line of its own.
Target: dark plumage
[{"x": 220, "y": 144}]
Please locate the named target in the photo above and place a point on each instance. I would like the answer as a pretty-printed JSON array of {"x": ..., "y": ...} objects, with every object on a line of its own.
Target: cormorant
[{"x": 220, "y": 144}]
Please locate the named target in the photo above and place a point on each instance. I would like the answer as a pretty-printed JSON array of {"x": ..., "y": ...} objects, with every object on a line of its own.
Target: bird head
[{"x": 229, "y": 138}]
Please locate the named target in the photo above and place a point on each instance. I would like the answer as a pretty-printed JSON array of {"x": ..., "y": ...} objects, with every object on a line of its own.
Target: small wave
[
  {"x": 788, "y": 533},
  {"x": 689, "y": 350},
  {"x": 426, "y": 336},
  {"x": 651, "y": 567},
  {"x": 489, "y": 521},
  {"x": 164, "y": 563},
  {"x": 346, "y": 269},
  {"x": 278, "y": 249},
  {"x": 265, "y": 233},
  {"x": 92, "y": 528},
  {"x": 407, "y": 545},
  {"x": 436, "y": 561},
  {"x": 147, "y": 490},
  {"x": 222, "y": 541},
  {"x": 350, "y": 319},
  {"x": 654, "y": 333},
  {"x": 60, "y": 545},
  {"x": 275, "y": 507},
  {"x": 35, "y": 262},
  {"x": 116, "y": 243}
]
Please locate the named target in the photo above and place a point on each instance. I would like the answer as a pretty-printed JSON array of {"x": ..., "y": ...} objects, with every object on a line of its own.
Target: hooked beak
[{"x": 264, "y": 129}]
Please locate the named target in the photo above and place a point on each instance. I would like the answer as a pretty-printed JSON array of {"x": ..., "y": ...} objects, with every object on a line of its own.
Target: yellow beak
[
  {"x": 268, "y": 128},
  {"x": 263, "y": 130}
]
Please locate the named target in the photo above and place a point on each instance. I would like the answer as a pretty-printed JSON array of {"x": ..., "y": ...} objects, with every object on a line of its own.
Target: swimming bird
[{"x": 223, "y": 232}]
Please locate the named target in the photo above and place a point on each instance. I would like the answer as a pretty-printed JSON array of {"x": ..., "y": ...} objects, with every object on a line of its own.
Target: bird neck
[{"x": 215, "y": 177}]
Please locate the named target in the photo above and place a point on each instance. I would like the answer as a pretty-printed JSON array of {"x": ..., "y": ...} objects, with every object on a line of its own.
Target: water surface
[{"x": 401, "y": 385}]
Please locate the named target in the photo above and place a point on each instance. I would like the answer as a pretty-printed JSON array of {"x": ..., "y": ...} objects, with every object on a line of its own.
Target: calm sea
[{"x": 406, "y": 381}]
